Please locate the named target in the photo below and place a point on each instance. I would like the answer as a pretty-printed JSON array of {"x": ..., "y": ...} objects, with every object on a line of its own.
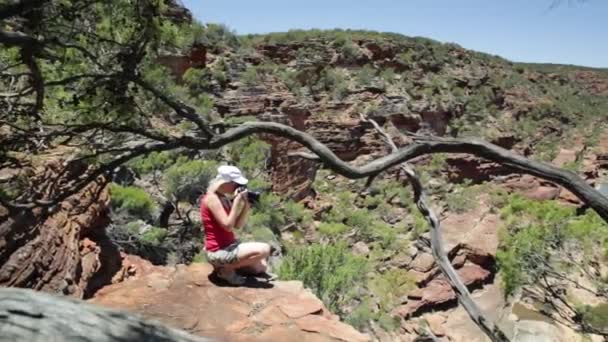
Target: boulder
[{"x": 184, "y": 297}]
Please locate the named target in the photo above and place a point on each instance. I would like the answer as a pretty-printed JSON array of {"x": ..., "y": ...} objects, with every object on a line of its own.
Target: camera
[{"x": 252, "y": 196}]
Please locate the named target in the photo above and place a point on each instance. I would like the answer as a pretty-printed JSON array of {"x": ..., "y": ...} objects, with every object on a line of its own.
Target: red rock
[
  {"x": 299, "y": 307},
  {"x": 543, "y": 193},
  {"x": 59, "y": 253},
  {"x": 436, "y": 322},
  {"x": 335, "y": 329},
  {"x": 286, "y": 312},
  {"x": 438, "y": 291},
  {"x": 423, "y": 262},
  {"x": 271, "y": 315},
  {"x": 564, "y": 156}
]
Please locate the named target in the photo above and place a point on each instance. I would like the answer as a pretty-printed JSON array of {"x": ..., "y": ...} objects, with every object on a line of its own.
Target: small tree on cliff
[{"x": 84, "y": 75}]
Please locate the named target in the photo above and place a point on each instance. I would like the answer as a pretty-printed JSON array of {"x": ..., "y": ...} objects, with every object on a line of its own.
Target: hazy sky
[{"x": 519, "y": 30}]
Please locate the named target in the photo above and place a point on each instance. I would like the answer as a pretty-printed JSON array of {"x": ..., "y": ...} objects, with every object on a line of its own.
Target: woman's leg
[{"x": 252, "y": 256}]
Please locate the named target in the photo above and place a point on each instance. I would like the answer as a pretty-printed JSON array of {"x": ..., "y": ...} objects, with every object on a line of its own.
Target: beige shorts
[{"x": 225, "y": 256}]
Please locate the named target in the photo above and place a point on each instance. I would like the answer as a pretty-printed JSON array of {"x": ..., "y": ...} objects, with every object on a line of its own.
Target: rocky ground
[{"x": 185, "y": 298}]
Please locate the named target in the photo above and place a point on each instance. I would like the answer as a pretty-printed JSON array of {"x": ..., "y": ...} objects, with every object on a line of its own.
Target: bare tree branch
[
  {"x": 439, "y": 253},
  {"x": 422, "y": 146}
]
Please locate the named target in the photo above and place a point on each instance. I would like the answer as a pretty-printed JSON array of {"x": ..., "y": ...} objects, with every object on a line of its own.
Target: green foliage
[
  {"x": 186, "y": 180},
  {"x": 155, "y": 161},
  {"x": 154, "y": 236},
  {"x": 256, "y": 74},
  {"x": 266, "y": 213},
  {"x": 332, "y": 272},
  {"x": 350, "y": 52},
  {"x": 462, "y": 198},
  {"x": 421, "y": 225},
  {"x": 534, "y": 234},
  {"x": 362, "y": 315},
  {"x": 595, "y": 316},
  {"x": 296, "y": 212},
  {"x": 133, "y": 200},
  {"x": 250, "y": 154},
  {"x": 219, "y": 37},
  {"x": 390, "y": 286},
  {"x": 332, "y": 229},
  {"x": 366, "y": 75},
  {"x": 262, "y": 234}
]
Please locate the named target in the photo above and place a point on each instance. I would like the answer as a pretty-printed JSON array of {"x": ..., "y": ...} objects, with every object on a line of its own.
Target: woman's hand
[{"x": 241, "y": 200}]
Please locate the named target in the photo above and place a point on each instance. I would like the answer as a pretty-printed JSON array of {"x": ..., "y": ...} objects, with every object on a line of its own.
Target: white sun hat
[{"x": 231, "y": 173}]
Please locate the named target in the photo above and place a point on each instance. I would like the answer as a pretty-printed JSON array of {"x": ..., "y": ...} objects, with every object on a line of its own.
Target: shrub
[
  {"x": 366, "y": 75},
  {"x": 133, "y": 200},
  {"x": 535, "y": 232},
  {"x": 349, "y": 50},
  {"x": 266, "y": 213},
  {"x": 249, "y": 154},
  {"x": 362, "y": 315},
  {"x": 595, "y": 316},
  {"x": 187, "y": 180},
  {"x": 219, "y": 37},
  {"x": 154, "y": 236},
  {"x": 332, "y": 272},
  {"x": 296, "y": 212},
  {"x": 250, "y": 76},
  {"x": 332, "y": 228},
  {"x": 262, "y": 234},
  {"x": 390, "y": 286},
  {"x": 155, "y": 161},
  {"x": 462, "y": 199}
]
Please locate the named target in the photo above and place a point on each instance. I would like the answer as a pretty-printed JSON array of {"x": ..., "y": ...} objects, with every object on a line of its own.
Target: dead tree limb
[
  {"x": 28, "y": 315},
  {"x": 441, "y": 257},
  {"x": 423, "y": 145}
]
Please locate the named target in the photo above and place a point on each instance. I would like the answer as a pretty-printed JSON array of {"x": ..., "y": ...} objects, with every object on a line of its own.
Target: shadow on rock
[{"x": 251, "y": 282}]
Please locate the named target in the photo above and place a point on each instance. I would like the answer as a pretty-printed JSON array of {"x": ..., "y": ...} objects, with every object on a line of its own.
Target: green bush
[
  {"x": 462, "y": 198},
  {"x": 366, "y": 75},
  {"x": 361, "y": 316},
  {"x": 296, "y": 212},
  {"x": 266, "y": 213},
  {"x": 155, "y": 161},
  {"x": 187, "y": 180},
  {"x": 390, "y": 286},
  {"x": 332, "y": 229},
  {"x": 332, "y": 272},
  {"x": 154, "y": 236},
  {"x": 536, "y": 231},
  {"x": 262, "y": 234},
  {"x": 250, "y": 76},
  {"x": 595, "y": 316},
  {"x": 249, "y": 154},
  {"x": 133, "y": 200}
]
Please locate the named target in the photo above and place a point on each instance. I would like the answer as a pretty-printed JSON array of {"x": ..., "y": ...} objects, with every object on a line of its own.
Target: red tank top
[{"x": 216, "y": 237}]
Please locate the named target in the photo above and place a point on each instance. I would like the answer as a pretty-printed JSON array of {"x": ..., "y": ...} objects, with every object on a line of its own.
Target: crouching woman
[{"x": 224, "y": 209}]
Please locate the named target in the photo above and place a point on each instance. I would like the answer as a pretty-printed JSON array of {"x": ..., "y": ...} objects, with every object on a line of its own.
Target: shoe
[
  {"x": 267, "y": 275},
  {"x": 230, "y": 276}
]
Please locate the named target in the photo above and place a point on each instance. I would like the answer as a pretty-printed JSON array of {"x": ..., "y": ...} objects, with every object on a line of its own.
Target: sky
[{"x": 520, "y": 30}]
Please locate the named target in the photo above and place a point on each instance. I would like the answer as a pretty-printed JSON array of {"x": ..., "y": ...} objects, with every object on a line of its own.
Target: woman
[{"x": 221, "y": 217}]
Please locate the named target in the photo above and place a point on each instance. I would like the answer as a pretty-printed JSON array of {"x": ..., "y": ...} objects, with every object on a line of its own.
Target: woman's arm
[
  {"x": 227, "y": 221},
  {"x": 242, "y": 219}
]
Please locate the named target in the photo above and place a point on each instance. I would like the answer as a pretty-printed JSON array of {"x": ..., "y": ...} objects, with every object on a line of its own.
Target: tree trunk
[{"x": 27, "y": 315}]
